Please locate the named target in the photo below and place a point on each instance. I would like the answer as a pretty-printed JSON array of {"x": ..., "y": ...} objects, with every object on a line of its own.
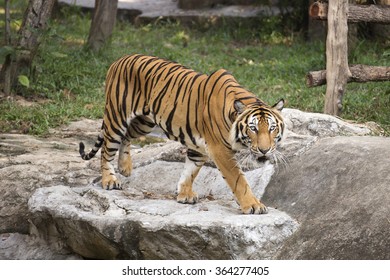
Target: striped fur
[{"x": 211, "y": 114}]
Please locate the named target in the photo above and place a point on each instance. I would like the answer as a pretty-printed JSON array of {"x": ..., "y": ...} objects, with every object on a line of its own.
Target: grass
[{"x": 70, "y": 79}]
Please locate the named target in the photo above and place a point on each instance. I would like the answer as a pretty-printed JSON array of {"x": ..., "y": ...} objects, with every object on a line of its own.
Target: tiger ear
[
  {"x": 279, "y": 105},
  {"x": 239, "y": 106}
]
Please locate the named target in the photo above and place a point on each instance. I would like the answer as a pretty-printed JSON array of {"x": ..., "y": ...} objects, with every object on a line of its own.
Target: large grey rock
[
  {"x": 98, "y": 224},
  {"x": 160, "y": 178},
  {"x": 28, "y": 163},
  {"x": 322, "y": 125},
  {"x": 339, "y": 191},
  {"x": 304, "y": 129},
  {"x": 16, "y": 246}
]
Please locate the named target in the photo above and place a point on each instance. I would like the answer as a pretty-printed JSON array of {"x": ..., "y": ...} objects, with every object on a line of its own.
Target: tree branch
[{"x": 356, "y": 13}]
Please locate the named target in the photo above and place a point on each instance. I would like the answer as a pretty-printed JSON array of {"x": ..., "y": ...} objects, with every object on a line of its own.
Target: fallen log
[
  {"x": 359, "y": 73},
  {"x": 356, "y": 13}
]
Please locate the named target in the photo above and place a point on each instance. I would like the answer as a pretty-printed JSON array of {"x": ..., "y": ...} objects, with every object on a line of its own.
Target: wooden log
[
  {"x": 316, "y": 78},
  {"x": 359, "y": 74},
  {"x": 318, "y": 10},
  {"x": 336, "y": 56},
  {"x": 356, "y": 13}
]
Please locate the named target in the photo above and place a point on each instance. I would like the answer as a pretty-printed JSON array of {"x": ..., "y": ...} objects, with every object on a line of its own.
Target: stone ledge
[{"x": 98, "y": 224}]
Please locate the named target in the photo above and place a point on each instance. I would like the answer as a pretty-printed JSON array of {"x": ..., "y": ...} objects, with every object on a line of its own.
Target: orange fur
[{"x": 211, "y": 114}]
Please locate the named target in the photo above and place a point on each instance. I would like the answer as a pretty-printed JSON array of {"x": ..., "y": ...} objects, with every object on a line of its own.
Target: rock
[
  {"x": 31, "y": 165},
  {"x": 162, "y": 178},
  {"x": 28, "y": 163},
  {"x": 305, "y": 129},
  {"x": 16, "y": 246},
  {"x": 339, "y": 191},
  {"x": 103, "y": 224},
  {"x": 322, "y": 125}
]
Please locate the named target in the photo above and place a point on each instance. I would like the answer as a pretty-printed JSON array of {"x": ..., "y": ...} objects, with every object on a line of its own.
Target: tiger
[{"x": 212, "y": 115}]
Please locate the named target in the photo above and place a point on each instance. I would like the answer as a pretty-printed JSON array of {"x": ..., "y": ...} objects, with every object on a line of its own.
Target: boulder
[
  {"x": 100, "y": 224},
  {"x": 28, "y": 163},
  {"x": 16, "y": 246},
  {"x": 339, "y": 191},
  {"x": 57, "y": 198},
  {"x": 322, "y": 125}
]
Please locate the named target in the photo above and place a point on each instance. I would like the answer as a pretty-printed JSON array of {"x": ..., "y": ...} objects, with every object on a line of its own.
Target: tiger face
[{"x": 258, "y": 128}]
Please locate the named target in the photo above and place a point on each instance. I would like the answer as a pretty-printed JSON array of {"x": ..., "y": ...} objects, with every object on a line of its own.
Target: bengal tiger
[{"x": 210, "y": 114}]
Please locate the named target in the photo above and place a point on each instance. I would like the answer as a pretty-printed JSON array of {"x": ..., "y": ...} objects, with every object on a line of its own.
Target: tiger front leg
[
  {"x": 249, "y": 204},
  {"x": 235, "y": 178},
  {"x": 192, "y": 167}
]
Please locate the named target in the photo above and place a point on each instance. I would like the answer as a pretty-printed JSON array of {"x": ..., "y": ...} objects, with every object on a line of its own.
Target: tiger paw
[
  {"x": 255, "y": 207},
  {"x": 111, "y": 182},
  {"x": 189, "y": 197}
]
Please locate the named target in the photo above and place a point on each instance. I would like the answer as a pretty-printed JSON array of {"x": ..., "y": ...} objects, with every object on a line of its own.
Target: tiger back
[{"x": 210, "y": 114}]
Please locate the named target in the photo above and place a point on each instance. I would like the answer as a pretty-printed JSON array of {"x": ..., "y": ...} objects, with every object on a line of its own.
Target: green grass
[{"x": 71, "y": 79}]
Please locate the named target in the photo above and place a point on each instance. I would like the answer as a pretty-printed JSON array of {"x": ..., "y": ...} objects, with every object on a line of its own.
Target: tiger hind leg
[
  {"x": 109, "y": 149},
  {"x": 124, "y": 162},
  {"x": 139, "y": 126},
  {"x": 192, "y": 166}
]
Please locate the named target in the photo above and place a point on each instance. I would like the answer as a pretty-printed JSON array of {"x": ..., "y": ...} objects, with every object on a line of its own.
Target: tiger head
[{"x": 257, "y": 128}]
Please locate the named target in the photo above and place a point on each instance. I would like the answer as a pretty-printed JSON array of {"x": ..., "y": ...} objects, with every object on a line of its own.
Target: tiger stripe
[{"x": 210, "y": 114}]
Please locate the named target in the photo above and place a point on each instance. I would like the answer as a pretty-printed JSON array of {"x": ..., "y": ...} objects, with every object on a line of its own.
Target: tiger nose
[{"x": 263, "y": 151}]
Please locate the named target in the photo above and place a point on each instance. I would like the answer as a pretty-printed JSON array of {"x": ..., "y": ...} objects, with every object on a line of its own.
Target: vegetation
[{"x": 67, "y": 82}]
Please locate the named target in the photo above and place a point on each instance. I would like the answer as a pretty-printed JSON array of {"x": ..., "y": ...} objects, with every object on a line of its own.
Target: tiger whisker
[
  {"x": 280, "y": 160},
  {"x": 247, "y": 161}
]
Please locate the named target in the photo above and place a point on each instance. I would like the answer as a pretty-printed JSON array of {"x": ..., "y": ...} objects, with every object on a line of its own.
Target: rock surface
[
  {"x": 339, "y": 191},
  {"x": 16, "y": 246},
  {"x": 109, "y": 225},
  {"x": 56, "y": 197}
]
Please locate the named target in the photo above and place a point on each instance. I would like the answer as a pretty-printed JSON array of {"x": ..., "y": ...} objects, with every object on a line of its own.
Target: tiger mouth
[{"x": 261, "y": 158}]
